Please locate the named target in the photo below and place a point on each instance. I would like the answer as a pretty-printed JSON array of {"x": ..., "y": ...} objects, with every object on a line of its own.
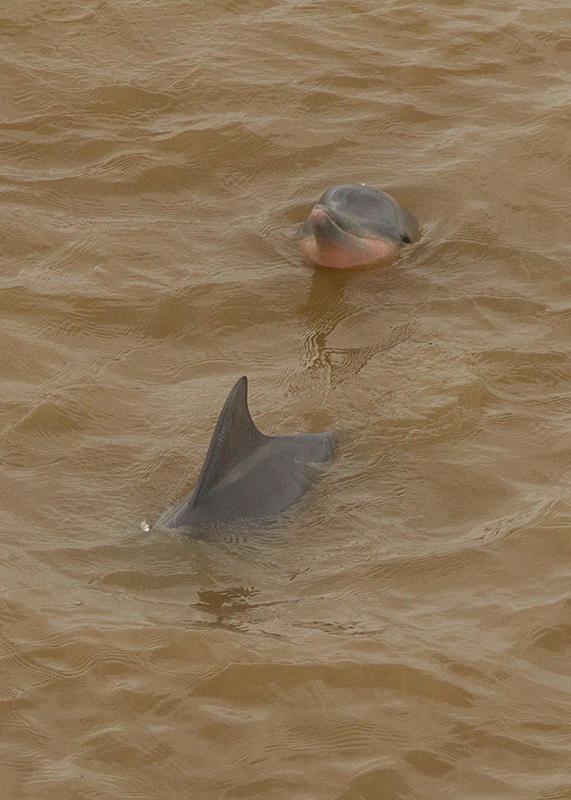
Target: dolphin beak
[{"x": 325, "y": 225}]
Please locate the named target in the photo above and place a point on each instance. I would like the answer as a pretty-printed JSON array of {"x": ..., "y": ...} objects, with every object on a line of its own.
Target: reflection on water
[
  {"x": 227, "y": 606},
  {"x": 403, "y": 631},
  {"x": 332, "y": 304}
]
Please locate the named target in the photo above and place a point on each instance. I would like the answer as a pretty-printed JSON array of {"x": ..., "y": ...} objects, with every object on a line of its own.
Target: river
[{"x": 405, "y": 630}]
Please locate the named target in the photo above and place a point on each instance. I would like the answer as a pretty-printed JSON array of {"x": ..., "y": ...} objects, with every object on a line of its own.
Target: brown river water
[{"x": 405, "y": 630}]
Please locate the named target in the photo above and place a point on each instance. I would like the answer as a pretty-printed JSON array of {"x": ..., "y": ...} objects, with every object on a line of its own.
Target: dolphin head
[{"x": 354, "y": 225}]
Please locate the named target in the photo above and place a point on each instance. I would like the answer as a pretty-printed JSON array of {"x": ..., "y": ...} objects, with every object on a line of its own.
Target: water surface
[{"x": 405, "y": 631}]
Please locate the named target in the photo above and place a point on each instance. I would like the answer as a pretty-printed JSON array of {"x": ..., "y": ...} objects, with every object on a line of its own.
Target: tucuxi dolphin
[
  {"x": 350, "y": 226},
  {"x": 246, "y": 474}
]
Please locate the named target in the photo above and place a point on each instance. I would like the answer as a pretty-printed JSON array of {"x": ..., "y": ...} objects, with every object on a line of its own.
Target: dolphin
[
  {"x": 246, "y": 474},
  {"x": 354, "y": 225}
]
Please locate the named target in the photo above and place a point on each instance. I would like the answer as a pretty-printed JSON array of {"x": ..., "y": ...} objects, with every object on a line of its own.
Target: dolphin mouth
[{"x": 328, "y": 224}]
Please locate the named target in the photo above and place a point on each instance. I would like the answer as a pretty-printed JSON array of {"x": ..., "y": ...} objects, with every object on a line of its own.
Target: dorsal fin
[{"x": 234, "y": 438}]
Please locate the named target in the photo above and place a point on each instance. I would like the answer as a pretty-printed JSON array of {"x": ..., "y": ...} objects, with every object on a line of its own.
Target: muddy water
[{"x": 405, "y": 631}]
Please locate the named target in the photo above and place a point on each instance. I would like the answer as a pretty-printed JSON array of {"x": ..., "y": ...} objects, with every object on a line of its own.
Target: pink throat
[{"x": 354, "y": 253}]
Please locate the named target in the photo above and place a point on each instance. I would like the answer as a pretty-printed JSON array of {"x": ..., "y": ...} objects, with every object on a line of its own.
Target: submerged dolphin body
[
  {"x": 354, "y": 225},
  {"x": 247, "y": 474}
]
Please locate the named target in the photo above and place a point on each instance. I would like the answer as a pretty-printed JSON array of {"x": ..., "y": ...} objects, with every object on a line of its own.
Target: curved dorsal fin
[{"x": 234, "y": 438}]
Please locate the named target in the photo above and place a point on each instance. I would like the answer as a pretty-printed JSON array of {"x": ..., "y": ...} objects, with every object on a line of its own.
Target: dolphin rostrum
[{"x": 247, "y": 474}]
